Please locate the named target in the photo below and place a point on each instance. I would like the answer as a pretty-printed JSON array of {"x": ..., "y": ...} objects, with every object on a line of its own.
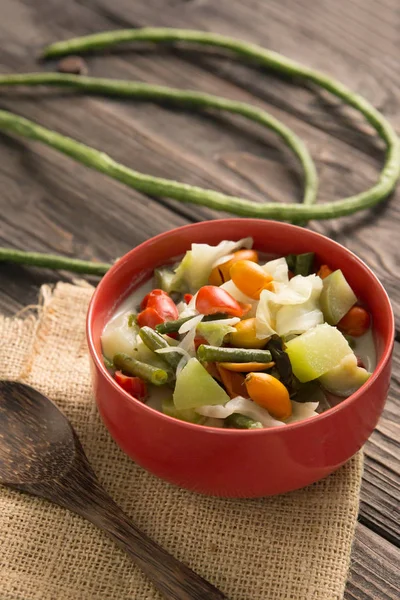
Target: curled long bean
[
  {"x": 281, "y": 64},
  {"x": 157, "y": 93},
  {"x": 186, "y": 193}
]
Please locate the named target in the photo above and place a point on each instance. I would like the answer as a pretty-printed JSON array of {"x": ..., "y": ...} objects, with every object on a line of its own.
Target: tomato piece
[
  {"x": 198, "y": 341},
  {"x": 150, "y": 318},
  {"x": 355, "y": 322},
  {"x": 151, "y": 295},
  {"x": 187, "y": 298},
  {"x": 133, "y": 385},
  {"x": 159, "y": 301},
  {"x": 211, "y": 299}
]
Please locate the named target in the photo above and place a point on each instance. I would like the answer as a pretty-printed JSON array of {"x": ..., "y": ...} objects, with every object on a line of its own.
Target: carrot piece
[
  {"x": 324, "y": 271},
  {"x": 233, "y": 382}
]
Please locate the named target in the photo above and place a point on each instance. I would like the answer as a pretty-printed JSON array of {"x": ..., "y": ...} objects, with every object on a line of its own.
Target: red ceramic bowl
[{"x": 229, "y": 462}]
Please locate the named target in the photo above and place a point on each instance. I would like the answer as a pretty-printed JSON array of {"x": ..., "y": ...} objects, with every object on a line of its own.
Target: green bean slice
[
  {"x": 238, "y": 355},
  {"x": 136, "y": 368}
]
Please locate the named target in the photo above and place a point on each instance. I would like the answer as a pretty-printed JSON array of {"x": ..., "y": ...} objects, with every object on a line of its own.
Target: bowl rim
[{"x": 386, "y": 354}]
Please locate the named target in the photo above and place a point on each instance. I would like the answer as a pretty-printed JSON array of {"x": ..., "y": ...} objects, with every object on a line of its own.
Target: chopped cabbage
[
  {"x": 190, "y": 324},
  {"x": 291, "y": 308},
  {"x": 176, "y": 349},
  {"x": 278, "y": 269},
  {"x": 119, "y": 337},
  {"x": 186, "y": 310},
  {"x": 196, "y": 265},
  {"x": 215, "y": 331},
  {"x": 297, "y": 291},
  {"x": 189, "y": 328},
  {"x": 265, "y": 317},
  {"x": 241, "y": 405},
  {"x": 302, "y": 410},
  {"x": 297, "y": 319}
]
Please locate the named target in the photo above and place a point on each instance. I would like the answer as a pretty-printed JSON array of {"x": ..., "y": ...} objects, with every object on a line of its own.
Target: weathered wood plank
[
  {"x": 375, "y": 571},
  {"x": 381, "y": 482}
]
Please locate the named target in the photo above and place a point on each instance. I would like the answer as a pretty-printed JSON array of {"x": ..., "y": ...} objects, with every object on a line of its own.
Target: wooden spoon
[{"x": 40, "y": 453}]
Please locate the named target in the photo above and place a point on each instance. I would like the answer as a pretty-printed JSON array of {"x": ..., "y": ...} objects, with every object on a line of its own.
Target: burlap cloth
[{"x": 295, "y": 546}]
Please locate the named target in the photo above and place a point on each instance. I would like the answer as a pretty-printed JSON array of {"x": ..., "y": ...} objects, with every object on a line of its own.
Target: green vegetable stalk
[
  {"x": 53, "y": 261},
  {"x": 140, "y": 369},
  {"x": 280, "y": 64},
  {"x": 155, "y": 341},
  {"x": 301, "y": 264},
  {"x": 237, "y": 355},
  {"x": 172, "y": 326}
]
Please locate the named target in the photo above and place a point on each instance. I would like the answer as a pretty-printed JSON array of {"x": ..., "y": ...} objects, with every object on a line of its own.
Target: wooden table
[{"x": 49, "y": 203}]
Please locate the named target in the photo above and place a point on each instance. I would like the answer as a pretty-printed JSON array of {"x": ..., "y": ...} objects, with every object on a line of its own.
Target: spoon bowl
[
  {"x": 40, "y": 453},
  {"x": 37, "y": 442}
]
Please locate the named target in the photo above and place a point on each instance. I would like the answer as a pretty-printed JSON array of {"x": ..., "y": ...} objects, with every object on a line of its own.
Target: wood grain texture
[
  {"x": 381, "y": 481},
  {"x": 50, "y": 203},
  {"x": 374, "y": 568}
]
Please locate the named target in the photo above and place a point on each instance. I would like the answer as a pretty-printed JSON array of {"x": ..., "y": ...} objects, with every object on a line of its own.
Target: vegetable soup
[{"x": 228, "y": 338}]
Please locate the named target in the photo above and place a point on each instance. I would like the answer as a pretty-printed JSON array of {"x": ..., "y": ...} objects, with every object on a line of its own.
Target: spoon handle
[{"x": 171, "y": 577}]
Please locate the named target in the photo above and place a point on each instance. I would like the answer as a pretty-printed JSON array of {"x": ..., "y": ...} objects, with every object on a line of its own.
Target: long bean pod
[
  {"x": 155, "y": 341},
  {"x": 185, "y": 98},
  {"x": 174, "y": 326},
  {"x": 232, "y": 355},
  {"x": 281, "y": 64},
  {"x": 140, "y": 369},
  {"x": 157, "y": 186},
  {"x": 53, "y": 261},
  {"x": 185, "y": 193}
]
